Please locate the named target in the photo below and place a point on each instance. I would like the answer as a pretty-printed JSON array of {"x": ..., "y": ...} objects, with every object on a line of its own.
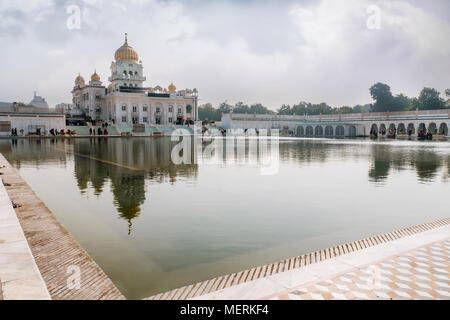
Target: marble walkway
[{"x": 409, "y": 263}]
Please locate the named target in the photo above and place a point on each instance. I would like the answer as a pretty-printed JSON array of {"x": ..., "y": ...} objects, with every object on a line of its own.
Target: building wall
[
  {"x": 23, "y": 122},
  {"x": 115, "y": 101},
  {"x": 353, "y": 124}
]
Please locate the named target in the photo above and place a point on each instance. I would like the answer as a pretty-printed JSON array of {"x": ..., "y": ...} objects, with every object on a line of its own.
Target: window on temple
[
  {"x": 124, "y": 119},
  {"x": 144, "y": 108},
  {"x": 170, "y": 120},
  {"x": 124, "y": 108},
  {"x": 179, "y": 110},
  {"x": 188, "y": 108},
  {"x": 144, "y": 119},
  {"x": 134, "y": 109},
  {"x": 170, "y": 109}
]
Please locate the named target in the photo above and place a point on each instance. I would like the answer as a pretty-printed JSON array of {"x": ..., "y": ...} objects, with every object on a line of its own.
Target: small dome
[
  {"x": 126, "y": 52},
  {"x": 79, "y": 80},
  {"x": 172, "y": 87},
  {"x": 95, "y": 76}
]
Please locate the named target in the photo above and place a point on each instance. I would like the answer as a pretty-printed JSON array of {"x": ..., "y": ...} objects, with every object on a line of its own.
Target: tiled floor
[{"x": 423, "y": 273}]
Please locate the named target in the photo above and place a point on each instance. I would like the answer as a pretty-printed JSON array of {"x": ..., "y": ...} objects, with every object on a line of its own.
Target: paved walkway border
[
  {"x": 54, "y": 249},
  {"x": 20, "y": 278},
  {"x": 205, "y": 288}
]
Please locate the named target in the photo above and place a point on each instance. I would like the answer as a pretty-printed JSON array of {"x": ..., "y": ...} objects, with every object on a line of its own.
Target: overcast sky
[{"x": 272, "y": 52}]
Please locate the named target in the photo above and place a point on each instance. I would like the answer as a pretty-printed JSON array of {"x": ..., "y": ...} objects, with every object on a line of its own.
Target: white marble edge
[
  {"x": 284, "y": 282},
  {"x": 31, "y": 285}
]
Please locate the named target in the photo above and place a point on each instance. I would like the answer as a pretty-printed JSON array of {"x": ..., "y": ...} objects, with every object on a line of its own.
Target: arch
[
  {"x": 392, "y": 128},
  {"x": 329, "y": 131},
  {"x": 432, "y": 127},
  {"x": 401, "y": 128},
  {"x": 374, "y": 129},
  {"x": 422, "y": 126},
  {"x": 309, "y": 131},
  {"x": 318, "y": 131},
  {"x": 300, "y": 131},
  {"x": 188, "y": 108},
  {"x": 443, "y": 129},
  {"x": 340, "y": 132},
  {"x": 411, "y": 128},
  {"x": 383, "y": 128},
  {"x": 135, "y": 73},
  {"x": 352, "y": 131},
  {"x": 130, "y": 73}
]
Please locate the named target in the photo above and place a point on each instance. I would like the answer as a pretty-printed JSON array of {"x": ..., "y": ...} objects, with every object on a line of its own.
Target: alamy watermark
[
  {"x": 214, "y": 146},
  {"x": 374, "y": 20},
  {"x": 74, "y": 279},
  {"x": 73, "y": 22}
]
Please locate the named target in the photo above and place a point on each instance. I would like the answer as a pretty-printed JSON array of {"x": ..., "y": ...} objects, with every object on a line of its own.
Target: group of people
[
  {"x": 62, "y": 132},
  {"x": 14, "y": 132},
  {"x": 100, "y": 131},
  {"x": 424, "y": 135}
]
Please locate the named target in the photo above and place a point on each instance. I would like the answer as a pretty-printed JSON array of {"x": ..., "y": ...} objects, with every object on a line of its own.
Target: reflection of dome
[
  {"x": 79, "y": 80},
  {"x": 126, "y": 52},
  {"x": 172, "y": 87},
  {"x": 95, "y": 76}
]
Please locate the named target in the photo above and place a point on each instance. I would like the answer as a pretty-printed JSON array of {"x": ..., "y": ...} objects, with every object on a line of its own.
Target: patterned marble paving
[{"x": 422, "y": 274}]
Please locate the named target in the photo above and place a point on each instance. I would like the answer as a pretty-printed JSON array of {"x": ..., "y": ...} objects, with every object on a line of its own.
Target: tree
[
  {"x": 382, "y": 95},
  {"x": 447, "y": 93},
  {"x": 240, "y": 107},
  {"x": 285, "y": 110},
  {"x": 207, "y": 111},
  {"x": 401, "y": 102},
  {"x": 429, "y": 99}
]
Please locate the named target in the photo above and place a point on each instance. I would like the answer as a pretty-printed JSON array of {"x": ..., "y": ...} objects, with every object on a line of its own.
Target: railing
[{"x": 441, "y": 113}]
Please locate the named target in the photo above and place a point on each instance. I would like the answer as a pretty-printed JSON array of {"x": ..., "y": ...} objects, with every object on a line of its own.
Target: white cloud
[{"x": 266, "y": 52}]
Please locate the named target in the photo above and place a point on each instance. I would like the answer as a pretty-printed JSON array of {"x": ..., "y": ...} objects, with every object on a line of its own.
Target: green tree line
[{"x": 383, "y": 101}]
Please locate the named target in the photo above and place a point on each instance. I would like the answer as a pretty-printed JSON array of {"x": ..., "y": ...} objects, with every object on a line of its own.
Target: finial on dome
[{"x": 126, "y": 37}]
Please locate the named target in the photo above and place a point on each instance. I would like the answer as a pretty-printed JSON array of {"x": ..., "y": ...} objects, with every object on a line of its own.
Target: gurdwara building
[{"x": 125, "y": 100}]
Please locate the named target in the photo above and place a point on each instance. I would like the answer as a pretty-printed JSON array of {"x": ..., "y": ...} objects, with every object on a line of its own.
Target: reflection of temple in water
[{"x": 127, "y": 164}]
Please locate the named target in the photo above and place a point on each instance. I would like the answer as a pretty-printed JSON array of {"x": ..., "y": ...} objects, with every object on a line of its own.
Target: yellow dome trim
[
  {"x": 172, "y": 87},
  {"x": 79, "y": 80},
  {"x": 95, "y": 76},
  {"x": 126, "y": 52}
]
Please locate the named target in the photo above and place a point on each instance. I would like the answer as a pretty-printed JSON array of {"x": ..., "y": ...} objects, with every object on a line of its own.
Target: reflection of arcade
[
  {"x": 426, "y": 163},
  {"x": 149, "y": 158}
]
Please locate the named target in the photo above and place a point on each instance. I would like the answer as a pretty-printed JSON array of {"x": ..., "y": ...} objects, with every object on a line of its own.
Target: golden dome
[
  {"x": 79, "y": 80},
  {"x": 126, "y": 52},
  {"x": 95, "y": 76},
  {"x": 172, "y": 87}
]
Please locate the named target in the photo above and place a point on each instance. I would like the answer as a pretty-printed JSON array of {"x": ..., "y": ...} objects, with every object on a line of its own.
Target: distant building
[
  {"x": 29, "y": 120},
  {"x": 38, "y": 101},
  {"x": 6, "y": 104},
  {"x": 64, "y": 107},
  {"x": 126, "y": 101}
]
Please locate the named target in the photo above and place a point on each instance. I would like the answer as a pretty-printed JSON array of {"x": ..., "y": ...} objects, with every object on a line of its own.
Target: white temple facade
[{"x": 127, "y": 101}]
